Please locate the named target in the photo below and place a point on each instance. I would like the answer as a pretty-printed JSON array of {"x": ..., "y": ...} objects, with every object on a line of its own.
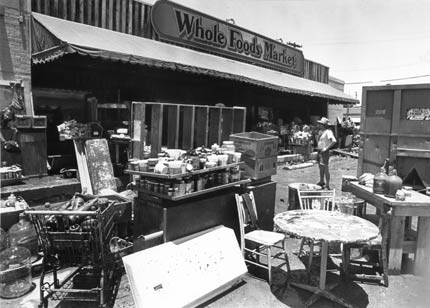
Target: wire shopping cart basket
[{"x": 77, "y": 242}]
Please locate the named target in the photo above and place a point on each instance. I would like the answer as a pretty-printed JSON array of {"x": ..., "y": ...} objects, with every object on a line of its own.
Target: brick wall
[{"x": 15, "y": 49}]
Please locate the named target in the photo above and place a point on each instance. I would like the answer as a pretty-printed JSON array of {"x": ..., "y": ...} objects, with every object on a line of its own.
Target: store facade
[
  {"x": 95, "y": 61},
  {"x": 103, "y": 55}
]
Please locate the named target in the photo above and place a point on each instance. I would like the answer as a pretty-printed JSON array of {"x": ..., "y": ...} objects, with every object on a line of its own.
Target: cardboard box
[
  {"x": 259, "y": 168},
  {"x": 254, "y": 145}
]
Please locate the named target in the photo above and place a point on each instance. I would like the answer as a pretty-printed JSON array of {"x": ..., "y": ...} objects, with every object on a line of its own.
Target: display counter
[
  {"x": 181, "y": 214},
  {"x": 173, "y": 217},
  {"x": 36, "y": 191},
  {"x": 187, "y": 216}
]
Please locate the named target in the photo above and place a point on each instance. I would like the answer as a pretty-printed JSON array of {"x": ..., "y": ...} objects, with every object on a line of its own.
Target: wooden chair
[
  {"x": 314, "y": 200},
  {"x": 268, "y": 244},
  {"x": 380, "y": 245}
]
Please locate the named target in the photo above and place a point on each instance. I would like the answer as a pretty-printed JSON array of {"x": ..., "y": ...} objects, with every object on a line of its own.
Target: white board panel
[{"x": 183, "y": 273}]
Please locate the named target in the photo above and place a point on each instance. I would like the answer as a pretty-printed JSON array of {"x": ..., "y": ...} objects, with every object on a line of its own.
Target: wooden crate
[
  {"x": 39, "y": 122},
  {"x": 23, "y": 121}
]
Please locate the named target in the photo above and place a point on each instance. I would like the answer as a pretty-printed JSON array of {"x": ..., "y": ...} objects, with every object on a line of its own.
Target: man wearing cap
[{"x": 325, "y": 140}]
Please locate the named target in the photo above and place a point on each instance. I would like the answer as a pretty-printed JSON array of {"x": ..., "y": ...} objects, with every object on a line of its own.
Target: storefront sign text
[{"x": 179, "y": 24}]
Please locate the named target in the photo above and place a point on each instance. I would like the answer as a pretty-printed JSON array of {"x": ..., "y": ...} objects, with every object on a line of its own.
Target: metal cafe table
[
  {"x": 326, "y": 227},
  {"x": 415, "y": 205}
]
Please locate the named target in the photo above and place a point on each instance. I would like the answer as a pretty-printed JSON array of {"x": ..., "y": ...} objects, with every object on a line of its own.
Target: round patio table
[{"x": 327, "y": 227}]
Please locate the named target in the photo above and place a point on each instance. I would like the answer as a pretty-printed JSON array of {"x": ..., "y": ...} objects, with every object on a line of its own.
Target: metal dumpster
[{"x": 396, "y": 124}]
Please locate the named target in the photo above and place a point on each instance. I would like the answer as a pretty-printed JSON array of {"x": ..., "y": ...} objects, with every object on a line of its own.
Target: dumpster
[{"x": 395, "y": 124}]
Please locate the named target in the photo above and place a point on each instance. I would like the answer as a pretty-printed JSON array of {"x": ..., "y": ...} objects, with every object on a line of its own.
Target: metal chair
[
  {"x": 314, "y": 200},
  {"x": 268, "y": 244}
]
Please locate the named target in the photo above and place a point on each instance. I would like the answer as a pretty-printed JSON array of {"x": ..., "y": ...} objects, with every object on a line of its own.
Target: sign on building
[{"x": 178, "y": 24}]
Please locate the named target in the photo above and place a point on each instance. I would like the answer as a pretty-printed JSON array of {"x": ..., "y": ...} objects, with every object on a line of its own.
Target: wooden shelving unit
[{"x": 187, "y": 174}]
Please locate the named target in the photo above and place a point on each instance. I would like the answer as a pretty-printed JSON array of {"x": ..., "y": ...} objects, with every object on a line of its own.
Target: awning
[{"x": 54, "y": 38}]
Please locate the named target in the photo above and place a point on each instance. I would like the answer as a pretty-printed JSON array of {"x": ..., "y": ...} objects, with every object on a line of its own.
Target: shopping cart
[{"x": 78, "y": 242}]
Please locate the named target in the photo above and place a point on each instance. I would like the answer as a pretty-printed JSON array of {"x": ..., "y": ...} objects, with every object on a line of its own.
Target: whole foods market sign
[{"x": 179, "y": 24}]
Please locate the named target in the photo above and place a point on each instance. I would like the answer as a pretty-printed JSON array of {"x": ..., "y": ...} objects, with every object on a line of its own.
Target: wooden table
[
  {"x": 416, "y": 205},
  {"x": 327, "y": 227}
]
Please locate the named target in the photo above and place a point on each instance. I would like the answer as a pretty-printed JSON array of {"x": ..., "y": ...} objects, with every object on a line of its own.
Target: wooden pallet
[{"x": 343, "y": 152}]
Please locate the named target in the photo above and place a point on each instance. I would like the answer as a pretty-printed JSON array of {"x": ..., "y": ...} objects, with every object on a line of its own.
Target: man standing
[{"x": 325, "y": 140}]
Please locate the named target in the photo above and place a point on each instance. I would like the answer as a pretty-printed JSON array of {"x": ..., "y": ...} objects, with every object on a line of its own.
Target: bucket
[{"x": 346, "y": 207}]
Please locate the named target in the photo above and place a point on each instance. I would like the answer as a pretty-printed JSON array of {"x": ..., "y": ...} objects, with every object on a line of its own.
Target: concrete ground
[{"x": 405, "y": 290}]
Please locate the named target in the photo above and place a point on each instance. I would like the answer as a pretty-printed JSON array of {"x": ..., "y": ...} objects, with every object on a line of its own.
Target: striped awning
[{"x": 54, "y": 38}]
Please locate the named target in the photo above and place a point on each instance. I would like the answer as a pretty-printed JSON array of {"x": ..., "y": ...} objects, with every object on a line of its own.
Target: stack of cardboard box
[{"x": 259, "y": 153}]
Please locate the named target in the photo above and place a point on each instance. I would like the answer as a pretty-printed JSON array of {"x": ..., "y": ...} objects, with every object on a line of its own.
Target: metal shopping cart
[{"x": 79, "y": 243}]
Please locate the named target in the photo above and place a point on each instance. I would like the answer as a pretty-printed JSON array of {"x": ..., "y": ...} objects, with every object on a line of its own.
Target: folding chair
[{"x": 268, "y": 244}]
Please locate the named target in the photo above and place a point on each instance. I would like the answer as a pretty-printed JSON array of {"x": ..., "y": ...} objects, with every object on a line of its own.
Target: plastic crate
[{"x": 254, "y": 145}]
